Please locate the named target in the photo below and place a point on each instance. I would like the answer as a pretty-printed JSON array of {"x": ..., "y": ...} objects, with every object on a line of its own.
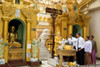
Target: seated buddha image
[{"x": 13, "y": 37}]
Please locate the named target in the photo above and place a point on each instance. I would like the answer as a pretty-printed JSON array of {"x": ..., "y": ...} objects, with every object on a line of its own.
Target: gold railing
[{"x": 85, "y": 2}]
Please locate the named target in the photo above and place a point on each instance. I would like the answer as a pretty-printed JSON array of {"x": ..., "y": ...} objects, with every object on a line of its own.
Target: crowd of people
[{"x": 85, "y": 49}]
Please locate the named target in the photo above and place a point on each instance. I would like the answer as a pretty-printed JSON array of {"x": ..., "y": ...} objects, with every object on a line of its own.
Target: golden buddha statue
[
  {"x": 12, "y": 38},
  {"x": 57, "y": 39},
  {"x": 12, "y": 35}
]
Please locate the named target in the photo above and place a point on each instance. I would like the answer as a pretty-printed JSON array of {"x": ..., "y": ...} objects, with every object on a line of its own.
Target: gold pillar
[
  {"x": 87, "y": 29},
  {"x": 33, "y": 26},
  {"x": 64, "y": 28},
  {"x": 6, "y": 54},
  {"x": 28, "y": 42},
  {"x": 84, "y": 31},
  {"x": 5, "y": 36},
  {"x": 70, "y": 29}
]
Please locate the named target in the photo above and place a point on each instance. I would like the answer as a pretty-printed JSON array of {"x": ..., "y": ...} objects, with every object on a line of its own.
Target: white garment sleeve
[
  {"x": 73, "y": 40},
  {"x": 83, "y": 42},
  {"x": 90, "y": 47}
]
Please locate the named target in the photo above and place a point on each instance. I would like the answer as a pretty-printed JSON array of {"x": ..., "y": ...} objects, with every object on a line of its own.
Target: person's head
[
  {"x": 87, "y": 38},
  {"x": 78, "y": 35},
  {"x": 91, "y": 37},
  {"x": 70, "y": 35}
]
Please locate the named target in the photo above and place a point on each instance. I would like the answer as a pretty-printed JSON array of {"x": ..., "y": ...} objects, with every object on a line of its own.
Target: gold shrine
[
  {"x": 71, "y": 22},
  {"x": 24, "y": 18}
]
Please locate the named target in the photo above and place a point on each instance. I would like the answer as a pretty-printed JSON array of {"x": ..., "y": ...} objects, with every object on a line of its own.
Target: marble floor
[{"x": 45, "y": 64}]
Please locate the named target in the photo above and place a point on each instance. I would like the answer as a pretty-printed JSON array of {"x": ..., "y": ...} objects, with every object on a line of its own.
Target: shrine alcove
[
  {"x": 77, "y": 29},
  {"x": 20, "y": 28}
]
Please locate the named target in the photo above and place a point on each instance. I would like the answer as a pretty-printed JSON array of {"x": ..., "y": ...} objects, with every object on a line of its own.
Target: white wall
[
  {"x": 95, "y": 27},
  {"x": 95, "y": 4}
]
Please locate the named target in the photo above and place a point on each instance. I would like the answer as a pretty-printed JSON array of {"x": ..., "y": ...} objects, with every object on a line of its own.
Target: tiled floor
[
  {"x": 98, "y": 62},
  {"x": 45, "y": 64}
]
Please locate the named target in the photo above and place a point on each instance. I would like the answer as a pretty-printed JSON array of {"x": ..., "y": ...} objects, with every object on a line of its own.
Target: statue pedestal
[
  {"x": 15, "y": 54},
  {"x": 33, "y": 63},
  {"x": 3, "y": 65},
  {"x": 16, "y": 63}
]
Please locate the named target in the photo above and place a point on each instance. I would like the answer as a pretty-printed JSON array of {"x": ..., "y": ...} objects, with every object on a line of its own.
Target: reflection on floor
[{"x": 45, "y": 64}]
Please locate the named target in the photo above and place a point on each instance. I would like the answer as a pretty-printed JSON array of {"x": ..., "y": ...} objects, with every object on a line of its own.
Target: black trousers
[
  {"x": 80, "y": 57},
  {"x": 68, "y": 59}
]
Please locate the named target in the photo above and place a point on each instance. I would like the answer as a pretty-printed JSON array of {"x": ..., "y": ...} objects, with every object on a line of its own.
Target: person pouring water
[{"x": 72, "y": 40}]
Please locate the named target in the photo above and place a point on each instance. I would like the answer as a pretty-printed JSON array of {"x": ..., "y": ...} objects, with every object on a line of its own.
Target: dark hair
[
  {"x": 71, "y": 34},
  {"x": 92, "y": 36},
  {"x": 88, "y": 37},
  {"x": 78, "y": 34}
]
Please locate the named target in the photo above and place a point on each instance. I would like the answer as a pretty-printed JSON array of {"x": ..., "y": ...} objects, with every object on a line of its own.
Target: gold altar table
[
  {"x": 62, "y": 53},
  {"x": 15, "y": 54}
]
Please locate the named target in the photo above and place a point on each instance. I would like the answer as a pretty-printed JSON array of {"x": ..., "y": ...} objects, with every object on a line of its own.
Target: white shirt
[
  {"x": 63, "y": 42},
  {"x": 88, "y": 46},
  {"x": 72, "y": 40},
  {"x": 79, "y": 43}
]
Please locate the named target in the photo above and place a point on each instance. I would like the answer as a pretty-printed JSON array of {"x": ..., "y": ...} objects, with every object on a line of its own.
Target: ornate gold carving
[
  {"x": 29, "y": 12},
  {"x": 85, "y": 2},
  {"x": 8, "y": 9}
]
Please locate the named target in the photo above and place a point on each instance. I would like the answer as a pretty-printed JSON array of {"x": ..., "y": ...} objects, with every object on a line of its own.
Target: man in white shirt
[
  {"x": 72, "y": 40},
  {"x": 80, "y": 49}
]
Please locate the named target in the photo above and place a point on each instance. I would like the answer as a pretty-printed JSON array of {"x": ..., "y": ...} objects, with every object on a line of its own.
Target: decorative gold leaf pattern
[{"x": 8, "y": 9}]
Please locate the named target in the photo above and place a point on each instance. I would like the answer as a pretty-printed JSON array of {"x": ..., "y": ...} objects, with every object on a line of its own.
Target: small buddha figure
[
  {"x": 12, "y": 35},
  {"x": 1, "y": 48},
  {"x": 35, "y": 50},
  {"x": 57, "y": 39},
  {"x": 12, "y": 38}
]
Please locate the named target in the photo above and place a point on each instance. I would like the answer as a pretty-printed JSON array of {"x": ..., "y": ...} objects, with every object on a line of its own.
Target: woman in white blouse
[{"x": 88, "y": 49}]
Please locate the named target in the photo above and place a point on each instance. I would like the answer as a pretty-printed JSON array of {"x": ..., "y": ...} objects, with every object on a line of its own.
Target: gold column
[
  {"x": 6, "y": 53},
  {"x": 84, "y": 31},
  {"x": 87, "y": 29},
  {"x": 64, "y": 28},
  {"x": 6, "y": 19},
  {"x": 28, "y": 42},
  {"x": 70, "y": 29}
]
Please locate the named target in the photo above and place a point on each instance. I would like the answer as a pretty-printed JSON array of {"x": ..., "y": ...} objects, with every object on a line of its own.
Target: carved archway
[
  {"x": 21, "y": 30},
  {"x": 77, "y": 29}
]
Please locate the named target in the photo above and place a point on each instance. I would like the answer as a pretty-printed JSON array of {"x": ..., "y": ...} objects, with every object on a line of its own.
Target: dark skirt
[{"x": 87, "y": 58}]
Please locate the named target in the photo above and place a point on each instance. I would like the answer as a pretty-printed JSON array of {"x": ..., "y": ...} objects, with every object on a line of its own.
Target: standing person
[
  {"x": 88, "y": 50},
  {"x": 80, "y": 49},
  {"x": 72, "y": 40},
  {"x": 94, "y": 49}
]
